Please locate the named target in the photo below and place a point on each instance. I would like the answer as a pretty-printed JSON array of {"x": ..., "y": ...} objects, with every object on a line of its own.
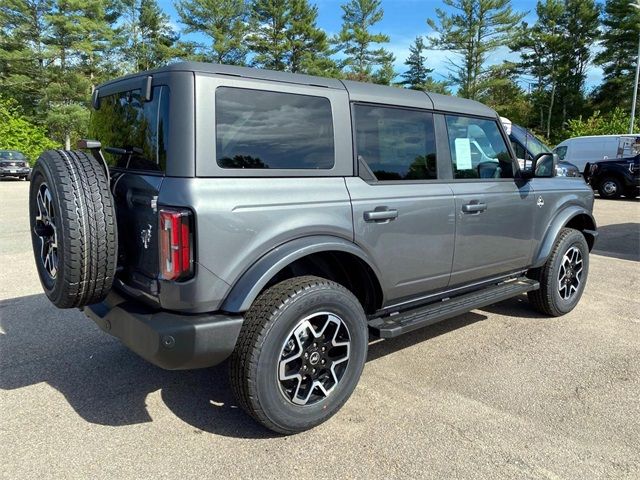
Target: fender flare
[
  {"x": 558, "y": 223},
  {"x": 252, "y": 281}
]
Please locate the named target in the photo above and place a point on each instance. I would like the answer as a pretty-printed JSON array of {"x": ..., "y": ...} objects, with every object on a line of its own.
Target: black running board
[{"x": 403, "y": 322}]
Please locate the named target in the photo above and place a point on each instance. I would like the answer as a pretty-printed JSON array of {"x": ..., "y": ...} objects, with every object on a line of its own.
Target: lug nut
[
  {"x": 313, "y": 371},
  {"x": 323, "y": 361},
  {"x": 306, "y": 355},
  {"x": 324, "y": 348}
]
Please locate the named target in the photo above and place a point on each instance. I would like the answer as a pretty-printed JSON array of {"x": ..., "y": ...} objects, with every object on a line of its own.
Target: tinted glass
[
  {"x": 561, "y": 151},
  {"x": 396, "y": 144},
  {"x": 532, "y": 143},
  {"x": 11, "y": 155},
  {"x": 133, "y": 133},
  {"x": 478, "y": 150},
  {"x": 259, "y": 129}
]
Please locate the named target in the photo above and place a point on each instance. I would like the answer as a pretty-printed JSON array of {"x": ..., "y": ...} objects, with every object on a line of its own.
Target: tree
[
  {"x": 18, "y": 133},
  {"x": 147, "y": 38},
  {"x": 472, "y": 29},
  {"x": 225, "y": 22},
  {"x": 620, "y": 35},
  {"x": 362, "y": 59},
  {"x": 502, "y": 93},
  {"x": 556, "y": 51},
  {"x": 23, "y": 58},
  {"x": 269, "y": 20},
  {"x": 418, "y": 75},
  {"x": 309, "y": 50}
]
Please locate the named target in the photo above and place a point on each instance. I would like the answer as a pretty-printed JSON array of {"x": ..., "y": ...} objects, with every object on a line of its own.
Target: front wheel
[
  {"x": 300, "y": 354},
  {"x": 563, "y": 277},
  {"x": 610, "y": 187}
]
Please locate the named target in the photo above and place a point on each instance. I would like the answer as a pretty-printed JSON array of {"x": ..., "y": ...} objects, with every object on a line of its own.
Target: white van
[{"x": 583, "y": 150}]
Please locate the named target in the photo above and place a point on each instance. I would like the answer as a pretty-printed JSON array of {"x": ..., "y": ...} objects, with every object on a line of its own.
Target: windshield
[
  {"x": 528, "y": 140},
  {"x": 11, "y": 155}
]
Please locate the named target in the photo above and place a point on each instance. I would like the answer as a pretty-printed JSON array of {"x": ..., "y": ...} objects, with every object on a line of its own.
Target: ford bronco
[{"x": 278, "y": 219}]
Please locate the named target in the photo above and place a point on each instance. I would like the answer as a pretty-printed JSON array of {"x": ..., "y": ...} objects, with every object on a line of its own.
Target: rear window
[
  {"x": 259, "y": 129},
  {"x": 133, "y": 133}
]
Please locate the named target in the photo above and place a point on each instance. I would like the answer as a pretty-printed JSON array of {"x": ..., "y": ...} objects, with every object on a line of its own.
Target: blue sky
[{"x": 403, "y": 21}]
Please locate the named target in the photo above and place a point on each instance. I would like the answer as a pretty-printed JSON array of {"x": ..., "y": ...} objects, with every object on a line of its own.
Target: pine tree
[
  {"x": 620, "y": 37},
  {"x": 309, "y": 50},
  {"x": 225, "y": 22},
  {"x": 556, "y": 51},
  {"x": 363, "y": 61},
  {"x": 473, "y": 29},
  {"x": 418, "y": 73},
  {"x": 23, "y": 57},
  {"x": 157, "y": 37},
  {"x": 269, "y": 42},
  {"x": 76, "y": 39}
]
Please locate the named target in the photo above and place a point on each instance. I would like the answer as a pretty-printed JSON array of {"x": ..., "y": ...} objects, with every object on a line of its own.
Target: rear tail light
[{"x": 176, "y": 244}]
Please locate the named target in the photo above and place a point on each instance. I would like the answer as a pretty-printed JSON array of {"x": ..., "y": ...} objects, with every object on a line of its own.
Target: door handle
[
  {"x": 474, "y": 207},
  {"x": 381, "y": 214}
]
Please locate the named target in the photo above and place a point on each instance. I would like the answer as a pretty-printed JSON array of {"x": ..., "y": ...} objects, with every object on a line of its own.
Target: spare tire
[{"x": 73, "y": 228}]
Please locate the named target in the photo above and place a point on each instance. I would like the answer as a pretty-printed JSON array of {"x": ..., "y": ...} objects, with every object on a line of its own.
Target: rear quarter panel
[{"x": 239, "y": 220}]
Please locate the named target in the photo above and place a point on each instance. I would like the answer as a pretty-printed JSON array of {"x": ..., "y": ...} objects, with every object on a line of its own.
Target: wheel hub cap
[
  {"x": 45, "y": 229},
  {"x": 314, "y": 358},
  {"x": 610, "y": 187},
  {"x": 570, "y": 273}
]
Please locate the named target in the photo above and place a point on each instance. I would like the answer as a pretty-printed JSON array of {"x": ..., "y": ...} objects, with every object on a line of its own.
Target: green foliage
[
  {"x": 146, "y": 39},
  {"x": 502, "y": 93},
  {"x": 615, "y": 123},
  {"x": 225, "y": 22},
  {"x": 363, "y": 61},
  {"x": 18, "y": 133},
  {"x": 556, "y": 51},
  {"x": 472, "y": 29},
  {"x": 621, "y": 33}
]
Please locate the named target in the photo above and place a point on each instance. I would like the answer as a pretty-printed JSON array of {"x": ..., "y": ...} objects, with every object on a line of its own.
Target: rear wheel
[
  {"x": 563, "y": 277},
  {"x": 73, "y": 228},
  {"x": 300, "y": 354},
  {"x": 610, "y": 187}
]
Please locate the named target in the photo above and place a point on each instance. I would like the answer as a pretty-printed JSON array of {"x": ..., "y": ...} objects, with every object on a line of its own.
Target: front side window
[
  {"x": 261, "y": 129},
  {"x": 396, "y": 144},
  {"x": 478, "y": 150},
  {"x": 133, "y": 133},
  {"x": 561, "y": 151}
]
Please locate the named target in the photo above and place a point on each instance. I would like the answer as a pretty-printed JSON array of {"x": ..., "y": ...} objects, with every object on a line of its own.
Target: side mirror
[{"x": 544, "y": 165}]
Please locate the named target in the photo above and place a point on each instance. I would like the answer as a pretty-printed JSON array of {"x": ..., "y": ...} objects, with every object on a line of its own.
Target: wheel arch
[
  {"x": 572, "y": 217},
  {"x": 326, "y": 256}
]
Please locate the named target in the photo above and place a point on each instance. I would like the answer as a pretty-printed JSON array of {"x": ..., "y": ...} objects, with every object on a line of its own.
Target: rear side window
[
  {"x": 133, "y": 133},
  {"x": 396, "y": 144},
  {"x": 261, "y": 129},
  {"x": 478, "y": 150}
]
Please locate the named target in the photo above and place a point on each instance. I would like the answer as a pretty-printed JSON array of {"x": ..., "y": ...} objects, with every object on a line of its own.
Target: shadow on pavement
[
  {"x": 621, "y": 240},
  {"x": 106, "y": 384}
]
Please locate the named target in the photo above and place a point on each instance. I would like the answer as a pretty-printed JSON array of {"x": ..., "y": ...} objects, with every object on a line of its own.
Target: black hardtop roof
[{"x": 358, "y": 91}]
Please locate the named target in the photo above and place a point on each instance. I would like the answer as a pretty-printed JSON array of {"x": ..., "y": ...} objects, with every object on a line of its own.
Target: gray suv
[{"x": 278, "y": 220}]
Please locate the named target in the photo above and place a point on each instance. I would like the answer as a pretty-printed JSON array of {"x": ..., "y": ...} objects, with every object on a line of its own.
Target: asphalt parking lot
[{"x": 500, "y": 392}]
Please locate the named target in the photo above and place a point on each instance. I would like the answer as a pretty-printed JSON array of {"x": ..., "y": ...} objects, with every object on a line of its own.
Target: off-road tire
[
  {"x": 85, "y": 225},
  {"x": 612, "y": 194},
  {"x": 547, "y": 299},
  {"x": 254, "y": 363}
]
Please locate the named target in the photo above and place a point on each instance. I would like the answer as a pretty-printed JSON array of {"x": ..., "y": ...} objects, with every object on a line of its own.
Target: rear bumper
[{"x": 168, "y": 340}]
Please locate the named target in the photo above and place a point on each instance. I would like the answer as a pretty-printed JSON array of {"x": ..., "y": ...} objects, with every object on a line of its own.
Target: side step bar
[{"x": 407, "y": 321}]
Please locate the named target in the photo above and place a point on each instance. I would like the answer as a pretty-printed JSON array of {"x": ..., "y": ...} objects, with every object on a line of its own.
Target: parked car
[
  {"x": 278, "y": 219},
  {"x": 612, "y": 178},
  {"x": 591, "y": 149},
  {"x": 527, "y": 146},
  {"x": 14, "y": 164}
]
